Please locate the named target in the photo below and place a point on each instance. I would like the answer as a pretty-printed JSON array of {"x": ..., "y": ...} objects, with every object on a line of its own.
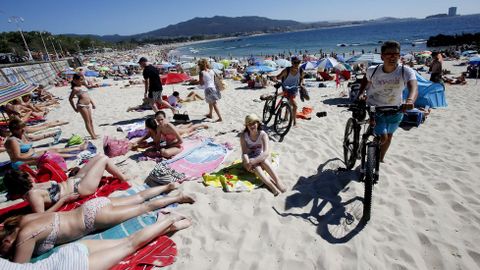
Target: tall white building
[{"x": 452, "y": 11}]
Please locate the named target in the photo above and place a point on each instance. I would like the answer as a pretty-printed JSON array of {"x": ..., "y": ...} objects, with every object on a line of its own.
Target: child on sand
[{"x": 256, "y": 152}]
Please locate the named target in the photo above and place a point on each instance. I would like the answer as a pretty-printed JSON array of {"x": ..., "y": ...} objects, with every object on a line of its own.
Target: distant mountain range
[{"x": 227, "y": 26}]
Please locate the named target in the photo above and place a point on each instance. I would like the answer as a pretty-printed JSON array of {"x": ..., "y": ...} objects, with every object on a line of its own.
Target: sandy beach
[{"x": 426, "y": 208}]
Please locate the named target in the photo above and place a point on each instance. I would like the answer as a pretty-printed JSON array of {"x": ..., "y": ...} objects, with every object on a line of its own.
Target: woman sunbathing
[
  {"x": 35, "y": 234},
  {"x": 256, "y": 152},
  {"x": 98, "y": 254},
  {"x": 49, "y": 196},
  {"x": 20, "y": 149}
]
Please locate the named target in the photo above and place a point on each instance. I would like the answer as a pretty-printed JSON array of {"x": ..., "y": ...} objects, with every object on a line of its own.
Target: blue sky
[{"x": 127, "y": 17}]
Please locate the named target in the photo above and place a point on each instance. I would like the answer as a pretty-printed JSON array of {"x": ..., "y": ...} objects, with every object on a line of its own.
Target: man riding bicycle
[
  {"x": 292, "y": 80},
  {"x": 383, "y": 86}
]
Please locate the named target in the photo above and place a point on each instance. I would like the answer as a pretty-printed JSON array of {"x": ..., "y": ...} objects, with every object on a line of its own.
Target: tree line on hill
[{"x": 454, "y": 40}]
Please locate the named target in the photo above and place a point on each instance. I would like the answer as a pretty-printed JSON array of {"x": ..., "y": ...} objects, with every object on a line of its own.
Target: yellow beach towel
[{"x": 234, "y": 178}]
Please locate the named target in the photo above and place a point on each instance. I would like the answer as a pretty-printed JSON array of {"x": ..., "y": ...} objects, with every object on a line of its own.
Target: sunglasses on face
[
  {"x": 296, "y": 63},
  {"x": 391, "y": 54}
]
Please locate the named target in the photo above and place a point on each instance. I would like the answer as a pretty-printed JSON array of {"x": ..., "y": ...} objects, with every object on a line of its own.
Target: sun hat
[
  {"x": 142, "y": 59},
  {"x": 251, "y": 118}
]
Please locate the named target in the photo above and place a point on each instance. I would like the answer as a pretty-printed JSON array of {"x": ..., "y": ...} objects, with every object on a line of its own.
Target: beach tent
[
  {"x": 429, "y": 93},
  {"x": 11, "y": 91},
  {"x": 269, "y": 63},
  {"x": 172, "y": 78}
]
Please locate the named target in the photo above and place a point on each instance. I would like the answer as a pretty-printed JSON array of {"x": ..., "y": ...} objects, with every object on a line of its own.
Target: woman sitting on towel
[
  {"x": 256, "y": 152},
  {"x": 22, "y": 237},
  {"x": 49, "y": 196},
  {"x": 20, "y": 149},
  {"x": 84, "y": 104}
]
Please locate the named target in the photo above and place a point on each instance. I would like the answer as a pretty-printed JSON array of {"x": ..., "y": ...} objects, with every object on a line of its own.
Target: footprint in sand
[
  {"x": 422, "y": 197},
  {"x": 416, "y": 209},
  {"x": 457, "y": 207},
  {"x": 442, "y": 186},
  {"x": 475, "y": 256}
]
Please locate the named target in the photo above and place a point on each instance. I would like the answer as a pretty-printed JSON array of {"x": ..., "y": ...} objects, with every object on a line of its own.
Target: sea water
[{"x": 412, "y": 35}]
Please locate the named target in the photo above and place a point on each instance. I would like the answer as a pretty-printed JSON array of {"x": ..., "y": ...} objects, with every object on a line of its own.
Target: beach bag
[
  {"x": 162, "y": 175},
  {"x": 75, "y": 140},
  {"x": 219, "y": 84},
  {"x": 56, "y": 158},
  {"x": 413, "y": 117},
  {"x": 181, "y": 117},
  {"x": 114, "y": 147}
]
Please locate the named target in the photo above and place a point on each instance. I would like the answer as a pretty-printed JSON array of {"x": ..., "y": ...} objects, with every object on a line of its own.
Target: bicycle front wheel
[
  {"x": 370, "y": 176},
  {"x": 283, "y": 119},
  {"x": 267, "y": 111},
  {"x": 350, "y": 143}
]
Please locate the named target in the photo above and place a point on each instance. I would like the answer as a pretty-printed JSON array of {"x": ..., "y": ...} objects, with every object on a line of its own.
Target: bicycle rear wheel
[
  {"x": 283, "y": 119},
  {"x": 370, "y": 175},
  {"x": 267, "y": 111},
  {"x": 351, "y": 143}
]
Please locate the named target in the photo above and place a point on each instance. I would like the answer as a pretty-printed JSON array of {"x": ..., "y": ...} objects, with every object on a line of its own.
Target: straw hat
[{"x": 251, "y": 118}]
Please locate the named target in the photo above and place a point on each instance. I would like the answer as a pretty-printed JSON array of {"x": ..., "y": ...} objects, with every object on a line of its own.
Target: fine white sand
[{"x": 426, "y": 207}]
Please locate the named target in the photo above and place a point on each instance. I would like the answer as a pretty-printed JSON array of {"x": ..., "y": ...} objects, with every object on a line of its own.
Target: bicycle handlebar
[{"x": 371, "y": 108}]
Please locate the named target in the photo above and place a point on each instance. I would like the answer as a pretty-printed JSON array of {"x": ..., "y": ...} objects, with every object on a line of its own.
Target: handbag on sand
[
  {"x": 219, "y": 84},
  {"x": 114, "y": 147},
  {"x": 162, "y": 175},
  {"x": 181, "y": 117}
]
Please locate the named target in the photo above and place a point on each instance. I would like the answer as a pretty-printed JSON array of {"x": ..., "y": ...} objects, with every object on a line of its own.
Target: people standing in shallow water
[
  {"x": 256, "y": 154},
  {"x": 84, "y": 104}
]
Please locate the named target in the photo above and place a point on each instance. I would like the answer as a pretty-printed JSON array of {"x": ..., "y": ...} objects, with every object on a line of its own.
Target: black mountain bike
[
  {"x": 282, "y": 111},
  {"x": 368, "y": 148}
]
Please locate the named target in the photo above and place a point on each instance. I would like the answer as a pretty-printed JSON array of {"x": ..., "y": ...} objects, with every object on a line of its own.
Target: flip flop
[{"x": 56, "y": 137}]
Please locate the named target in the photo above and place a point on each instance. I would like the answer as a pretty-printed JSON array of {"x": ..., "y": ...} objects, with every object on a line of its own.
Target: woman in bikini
[
  {"x": 84, "y": 104},
  {"x": 22, "y": 237},
  {"x": 20, "y": 149},
  {"x": 169, "y": 134},
  {"x": 256, "y": 153},
  {"x": 49, "y": 196}
]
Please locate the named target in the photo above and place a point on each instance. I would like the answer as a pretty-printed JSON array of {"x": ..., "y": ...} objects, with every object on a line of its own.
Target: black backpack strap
[{"x": 375, "y": 70}]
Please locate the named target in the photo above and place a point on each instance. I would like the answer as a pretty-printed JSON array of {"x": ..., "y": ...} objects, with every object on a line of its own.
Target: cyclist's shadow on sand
[{"x": 341, "y": 222}]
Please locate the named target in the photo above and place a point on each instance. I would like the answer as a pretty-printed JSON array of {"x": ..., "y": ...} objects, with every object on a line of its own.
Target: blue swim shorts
[{"x": 387, "y": 123}]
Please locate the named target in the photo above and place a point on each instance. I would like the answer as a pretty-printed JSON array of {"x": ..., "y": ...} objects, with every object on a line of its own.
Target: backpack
[{"x": 114, "y": 147}]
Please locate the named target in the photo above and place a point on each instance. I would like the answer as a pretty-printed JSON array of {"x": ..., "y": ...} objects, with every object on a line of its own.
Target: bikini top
[
  {"x": 24, "y": 147},
  {"x": 168, "y": 137},
  {"x": 50, "y": 240},
  {"x": 54, "y": 191},
  {"x": 81, "y": 91}
]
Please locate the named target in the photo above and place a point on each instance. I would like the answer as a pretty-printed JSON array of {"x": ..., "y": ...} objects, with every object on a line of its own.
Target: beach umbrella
[
  {"x": 259, "y": 69},
  {"x": 216, "y": 65},
  {"x": 283, "y": 63},
  {"x": 188, "y": 65},
  {"x": 328, "y": 62},
  {"x": 343, "y": 66},
  {"x": 309, "y": 65},
  {"x": 340, "y": 58},
  {"x": 166, "y": 65},
  {"x": 474, "y": 61},
  {"x": 225, "y": 62},
  {"x": 172, "y": 78},
  {"x": 91, "y": 73},
  {"x": 370, "y": 58},
  {"x": 408, "y": 57},
  {"x": 269, "y": 63},
  {"x": 468, "y": 53}
]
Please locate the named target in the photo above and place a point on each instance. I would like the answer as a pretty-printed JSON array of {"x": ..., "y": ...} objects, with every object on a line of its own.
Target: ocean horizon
[{"x": 412, "y": 35}]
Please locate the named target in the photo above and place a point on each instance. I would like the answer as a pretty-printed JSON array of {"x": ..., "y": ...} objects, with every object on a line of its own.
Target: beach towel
[
  {"x": 160, "y": 248},
  {"x": 306, "y": 113},
  {"x": 106, "y": 187},
  {"x": 235, "y": 178},
  {"x": 198, "y": 160},
  {"x": 131, "y": 127}
]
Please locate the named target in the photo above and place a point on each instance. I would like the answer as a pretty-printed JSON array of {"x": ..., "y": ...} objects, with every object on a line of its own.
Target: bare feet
[
  {"x": 219, "y": 120},
  {"x": 186, "y": 198},
  {"x": 209, "y": 116},
  {"x": 171, "y": 186},
  {"x": 180, "y": 221}
]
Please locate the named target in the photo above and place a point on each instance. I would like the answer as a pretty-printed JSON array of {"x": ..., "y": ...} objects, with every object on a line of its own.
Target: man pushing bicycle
[{"x": 383, "y": 86}]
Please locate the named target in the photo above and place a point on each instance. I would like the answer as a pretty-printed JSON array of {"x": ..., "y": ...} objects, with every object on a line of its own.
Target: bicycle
[
  {"x": 368, "y": 148},
  {"x": 282, "y": 111}
]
